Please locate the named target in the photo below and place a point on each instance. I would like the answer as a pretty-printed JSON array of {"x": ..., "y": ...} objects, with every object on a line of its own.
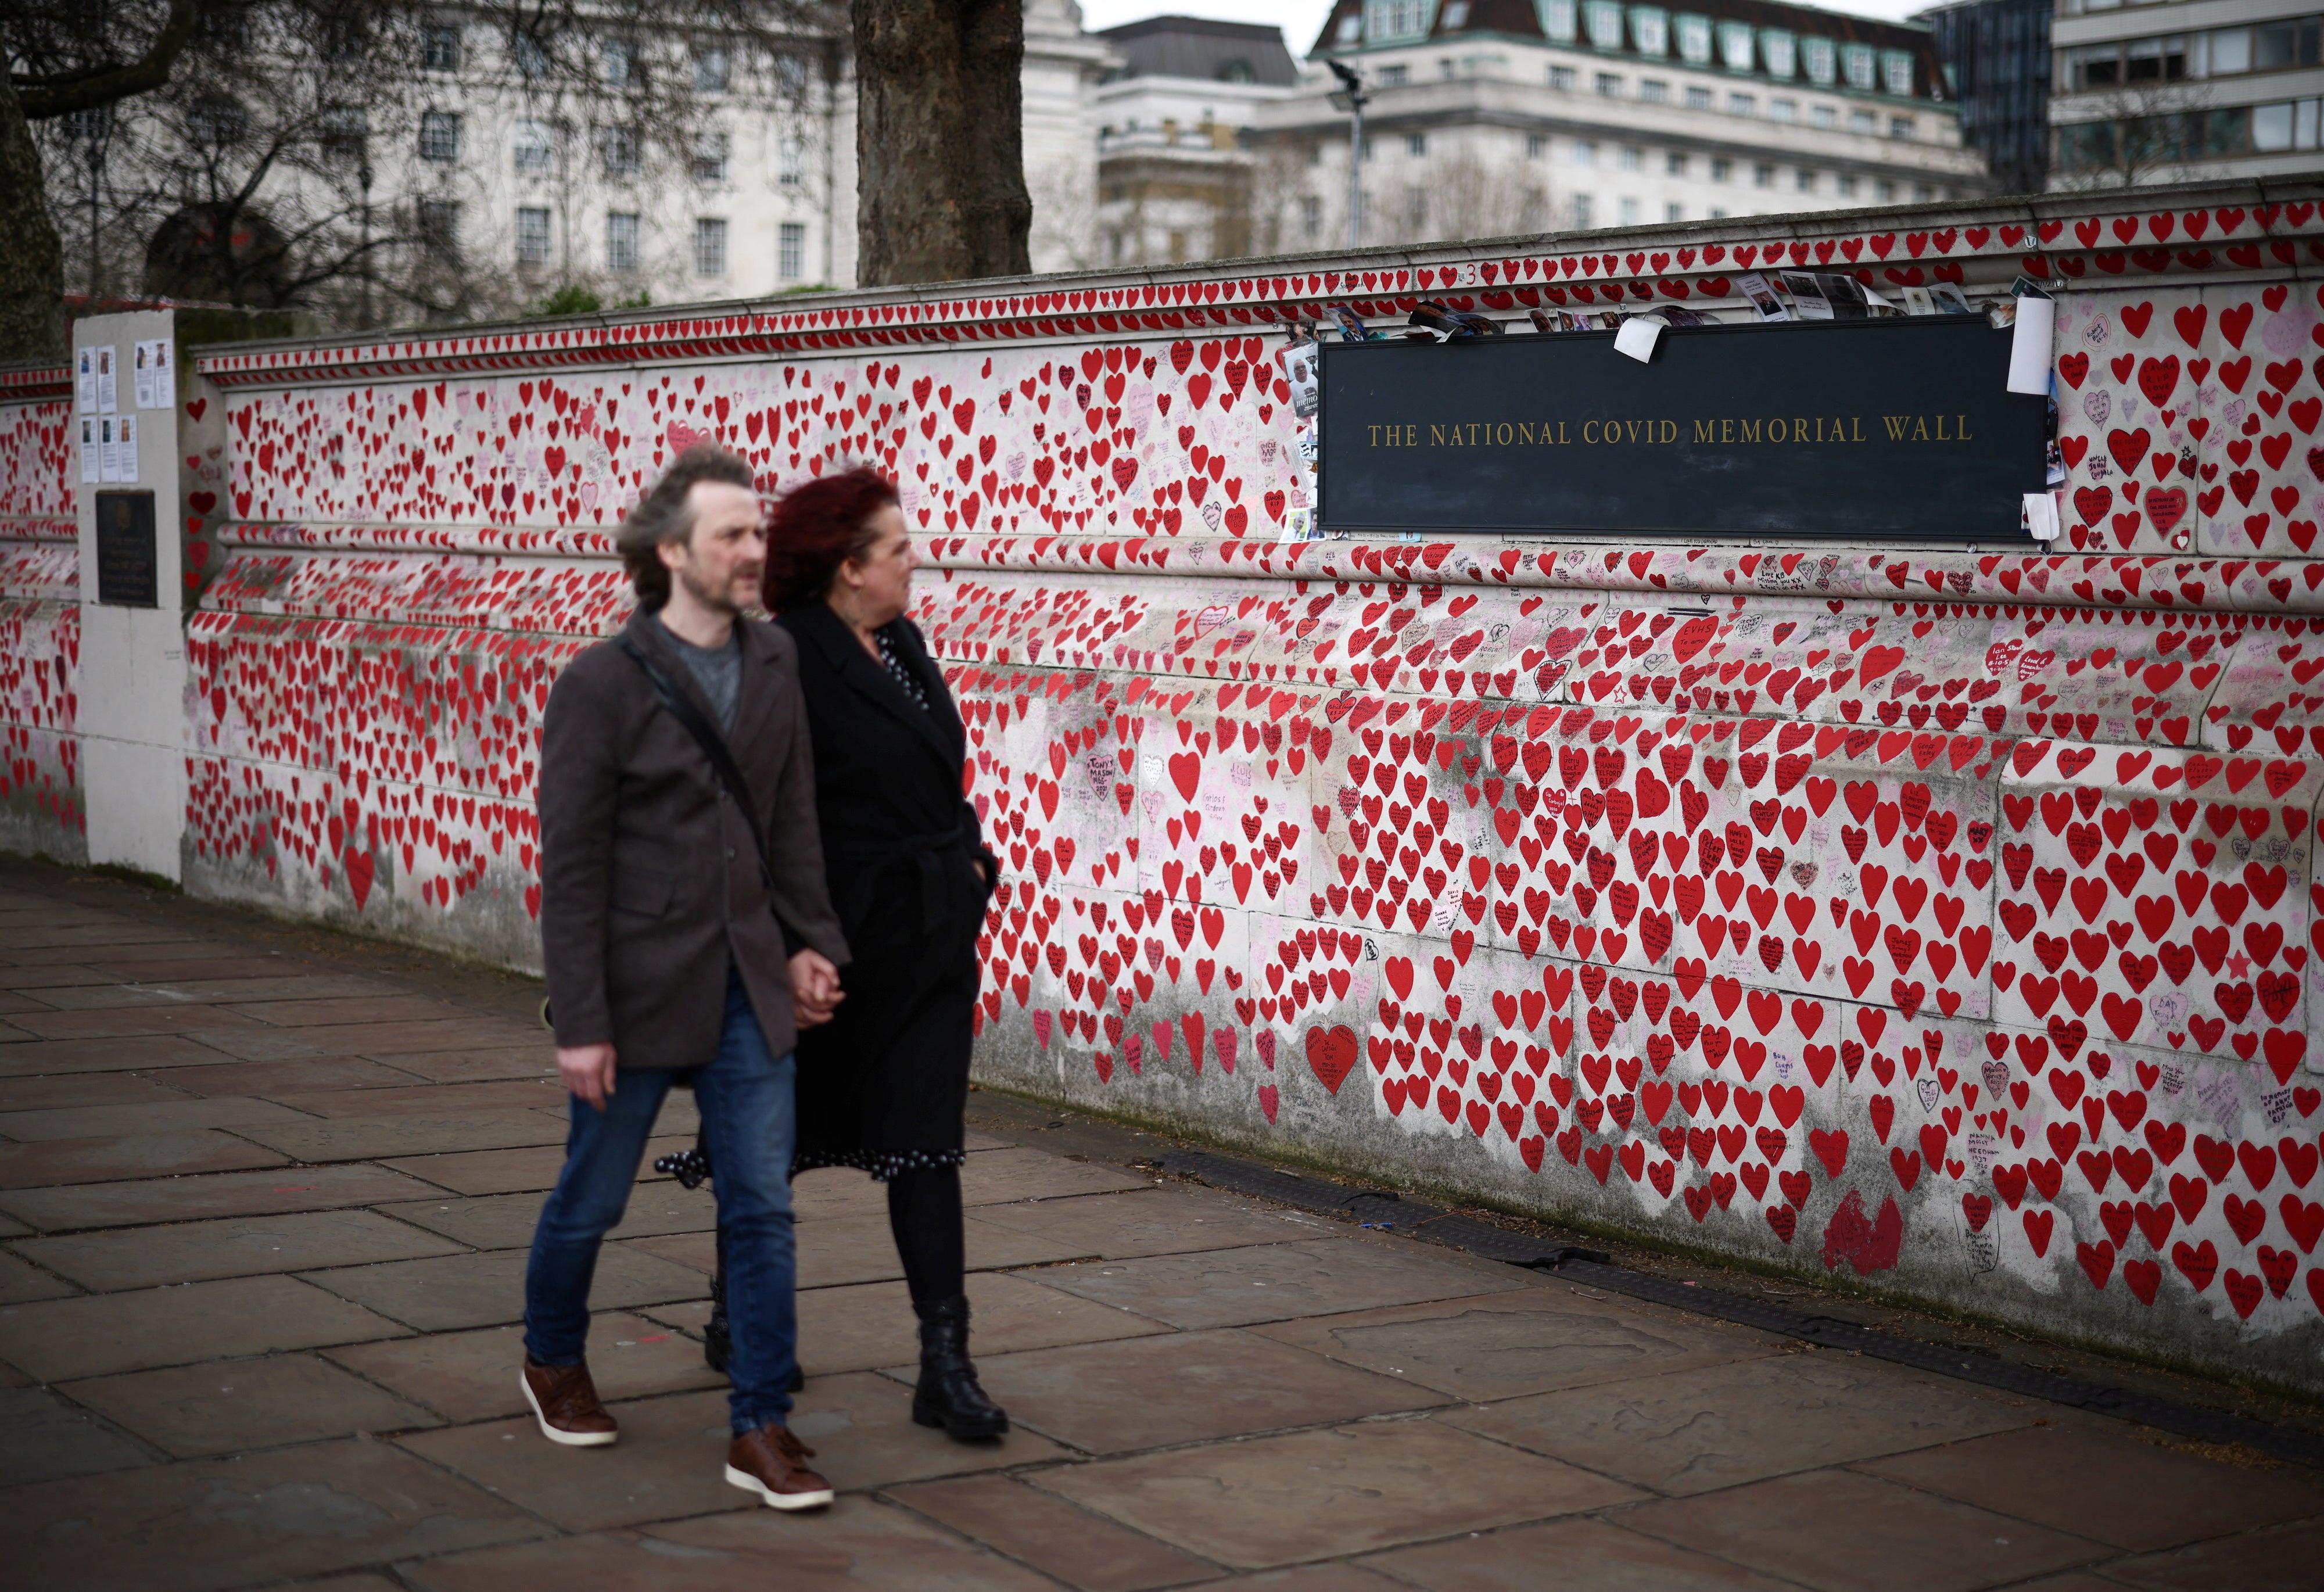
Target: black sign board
[
  {"x": 127, "y": 566},
  {"x": 1895, "y": 428}
]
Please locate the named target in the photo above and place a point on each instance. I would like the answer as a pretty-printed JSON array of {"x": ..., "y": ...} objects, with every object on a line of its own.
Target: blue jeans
[{"x": 749, "y": 1118}]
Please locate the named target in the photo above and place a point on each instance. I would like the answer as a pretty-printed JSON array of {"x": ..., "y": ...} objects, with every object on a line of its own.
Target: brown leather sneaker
[
  {"x": 563, "y": 1400},
  {"x": 772, "y": 1463}
]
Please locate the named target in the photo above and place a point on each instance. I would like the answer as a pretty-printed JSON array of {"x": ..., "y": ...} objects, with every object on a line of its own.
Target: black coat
[{"x": 899, "y": 846}]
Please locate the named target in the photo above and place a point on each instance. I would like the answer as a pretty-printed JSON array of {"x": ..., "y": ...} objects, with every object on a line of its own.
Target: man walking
[{"x": 685, "y": 930}]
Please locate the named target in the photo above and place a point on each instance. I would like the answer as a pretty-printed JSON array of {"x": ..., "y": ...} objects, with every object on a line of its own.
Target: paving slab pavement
[{"x": 261, "y": 1268}]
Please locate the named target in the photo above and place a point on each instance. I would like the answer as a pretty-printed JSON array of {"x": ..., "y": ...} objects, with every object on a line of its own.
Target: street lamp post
[
  {"x": 364, "y": 177},
  {"x": 95, "y": 128},
  {"x": 1352, "y": 98}
]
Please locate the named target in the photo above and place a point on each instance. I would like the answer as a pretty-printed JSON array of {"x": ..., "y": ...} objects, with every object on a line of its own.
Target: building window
[
  {"x": 1583, "y": 207},
  {"x": 1237, "y": 71},
  {"x": 1456, "y": 13},
  {"x": 1742, "y": 105},
  {"x": 618, "y": 148},
  {"x": 790, "y": 250},
  {"x": 1650, "y": 29},
  {"x": 1562, "y": 78},
  {"x": 440, "y": 47},
  {"x": 790, "y": 163},
  {"x": 1633, "y": 158},
  {"x": 1310, "y": 219},
  {"x": 1722, "y": 171},
  {"x": 2271, "y": 127},
  {"x": 1820, "y": 57},
  {"x": 531, "y": 237},
  {"x": 1610, "y": 85},
  {"x": 1922, "y": 193},
  {"x": 1415, "y": 143},
  {"x": 1448, "y": 68},
  {"x": 1415, "y": 210},
  {"x": 1806, "y": 180},
  {"x": 713, "y": 68},
  {"x": 1351, "y": 30},
  {"x": 1885, "y": 192},
  {"x": 1315, "y": 154},
  {"x": 622, "y": 240},
  {"x": 346, "y": 129},
  {"x": 1694, "y": 40},
  {"x": 1847, "y": 186},
  {"x": 1536, "y": 145},
  {"x": 1674, "y": 165},
  {"x": 1387, "y": 21},
  {"x": 1395, "y": 76},
  {"x": 1603, "y": 20},
  {"x": 1653, "y": 91},
  {"x": 619, "y": 63},
  {"x": 1896, "y": 72},
  {"x": 1783, "y": 110},
  {"x": 709, "y": 246},
  {"x": 1762, "y": 175},
  {"x": 1629, "y": 212},
  {"x": 1698, "y": 99},
  {"x": 439, "y": 136},
  {"x": 1778, "y": 52},
  {"x": 1735, "y": 46},
  {"x": 1856, "y": 65},
  {"x": 1585, "y": 153},
  {"x": 791, "y": 76},
  {"x": 532, "y": 62},
  {"x": 1900, "y": 126},
  {"x": 1715, "y": 213},
  {"x": 1673, "y": 212},
  {"x": 1863, "y": 121},
  {"x": 1559, "y": 20},
  {"x": 534, "y": 146},
  {"x": 440, "y": 227},
  {"x": 1824, "y": 115},
  {"x": 710, "y": 158}
]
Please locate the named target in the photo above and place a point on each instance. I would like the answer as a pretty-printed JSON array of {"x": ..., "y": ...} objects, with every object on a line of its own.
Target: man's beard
[{"x": 720, "y": 602}]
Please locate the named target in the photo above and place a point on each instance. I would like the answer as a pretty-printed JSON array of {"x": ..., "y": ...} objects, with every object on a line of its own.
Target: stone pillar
[{"x": 133, "y": 653}]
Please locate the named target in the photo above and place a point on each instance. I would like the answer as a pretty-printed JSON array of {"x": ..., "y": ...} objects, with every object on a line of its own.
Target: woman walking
[{"x": 882, "y": 1086}]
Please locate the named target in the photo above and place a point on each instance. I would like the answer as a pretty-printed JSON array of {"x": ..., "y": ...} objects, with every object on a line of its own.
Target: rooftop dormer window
[
  {"x": 1392, "y": 22},
  {"x": 1560, "y": 19},
  {"x": 1735, "y": 46},
  {"x": 1778, "y": 52},
  {"x": 1603, "y": 19},
  {"x": 1650, "y": 29},
  {"x": 1694, "y": 39}
]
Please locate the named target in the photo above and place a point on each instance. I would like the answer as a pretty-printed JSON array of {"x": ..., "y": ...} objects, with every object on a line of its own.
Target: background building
[
  {"x": 2180, "y": 92},
  {"x": 443, "y": 167},
  {"x": 1997, "y": 60},
  {"x": 1175, "y": 181},
  {"x": 1489, "y": 118}
]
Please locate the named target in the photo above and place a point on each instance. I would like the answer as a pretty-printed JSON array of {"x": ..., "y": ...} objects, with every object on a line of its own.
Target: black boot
[
  {"x": 719, "y": 1342},
  {"x": 948, "y": 1395}
]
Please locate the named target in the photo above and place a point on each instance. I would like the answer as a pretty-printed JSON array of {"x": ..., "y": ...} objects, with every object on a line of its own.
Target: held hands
[
  {"x": 587, "y": 1072},
  {"x": 816, "y": 994}
]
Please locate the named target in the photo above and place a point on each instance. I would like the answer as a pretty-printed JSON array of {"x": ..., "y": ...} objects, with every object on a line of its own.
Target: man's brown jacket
[{"x": 649, "y": 888}]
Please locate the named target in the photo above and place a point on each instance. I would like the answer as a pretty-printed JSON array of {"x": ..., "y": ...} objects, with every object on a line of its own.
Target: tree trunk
[
  {"x": 32, "y": 260},
  {"x": 939, "y": 140}
]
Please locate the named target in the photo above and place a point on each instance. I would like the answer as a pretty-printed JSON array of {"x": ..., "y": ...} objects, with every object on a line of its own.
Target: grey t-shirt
[{"x": 717, "y": 669}]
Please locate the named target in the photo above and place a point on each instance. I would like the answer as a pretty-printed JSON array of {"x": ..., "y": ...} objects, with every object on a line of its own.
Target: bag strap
[{"x": 712, "y": 744}]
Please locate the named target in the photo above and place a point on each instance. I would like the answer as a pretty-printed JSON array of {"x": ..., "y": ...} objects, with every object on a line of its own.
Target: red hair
[{"x": 816, "y": 527}]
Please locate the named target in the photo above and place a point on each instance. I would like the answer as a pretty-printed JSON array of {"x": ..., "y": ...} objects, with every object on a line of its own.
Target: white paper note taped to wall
[
  {"x": 2029, "y": 345},
  {"x": 2040, "y": 514},
  {"x": 1636, "y": 338}
]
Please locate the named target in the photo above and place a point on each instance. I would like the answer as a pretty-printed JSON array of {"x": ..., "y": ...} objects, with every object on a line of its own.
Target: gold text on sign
[{"x": 1719, "y": 431}]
